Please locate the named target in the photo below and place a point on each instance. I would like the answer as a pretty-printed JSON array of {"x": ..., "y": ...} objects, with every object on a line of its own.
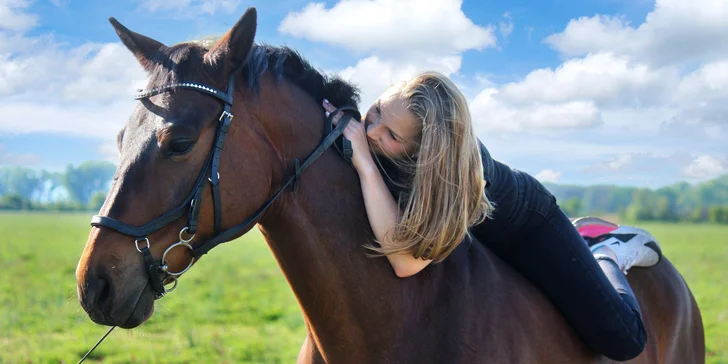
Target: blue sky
[{"x": 627, "y": 92}]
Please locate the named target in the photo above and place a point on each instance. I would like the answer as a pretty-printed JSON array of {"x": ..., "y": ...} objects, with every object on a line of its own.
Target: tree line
[
  {"x": 702, "y": 202},
  {"x": 84, "y": 188},
  {"x": 75, "y": 189}
]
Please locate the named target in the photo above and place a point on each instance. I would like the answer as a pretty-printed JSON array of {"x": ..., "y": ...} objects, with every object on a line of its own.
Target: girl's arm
[
  {"x": 380, "y": 205},
  {"x": 382, "y": 212}
]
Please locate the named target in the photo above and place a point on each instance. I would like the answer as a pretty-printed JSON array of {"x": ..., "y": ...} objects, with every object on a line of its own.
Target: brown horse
[{"x": 472, "y": 308}]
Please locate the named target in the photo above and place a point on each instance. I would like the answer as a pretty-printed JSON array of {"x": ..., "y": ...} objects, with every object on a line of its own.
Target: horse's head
[{"x": 162, "y": 193}]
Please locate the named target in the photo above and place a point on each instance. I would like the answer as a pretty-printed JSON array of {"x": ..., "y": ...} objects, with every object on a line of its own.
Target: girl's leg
[{"x": 593, "y": 295}]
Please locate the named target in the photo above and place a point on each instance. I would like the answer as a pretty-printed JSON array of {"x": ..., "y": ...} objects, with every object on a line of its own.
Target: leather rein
[{"x": 157, "y": 269}]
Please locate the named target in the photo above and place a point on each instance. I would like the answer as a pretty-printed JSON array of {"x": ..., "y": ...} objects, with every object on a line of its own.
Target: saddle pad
[{"x": 591, "y": 228}]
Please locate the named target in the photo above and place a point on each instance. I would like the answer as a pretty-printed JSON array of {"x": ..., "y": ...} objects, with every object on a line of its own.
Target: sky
[{"x": 624, "y": 92}]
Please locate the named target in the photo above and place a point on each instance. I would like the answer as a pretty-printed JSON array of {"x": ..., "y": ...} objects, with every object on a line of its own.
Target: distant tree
[
  {"x": 638, "y": 212},
  {"x": 572, "y": 207},
  {"x": 700, "y": 213},
  {"x": 680, "y": 201},
  {"x": 3, "y": 182},
  {"x": 718, "y": 214},
  {"x": 65, "y": 205},
  {"x": 643, "y": 206},
  {"x": 97, "y": 200},
  {"x": 665, "y": 209},
  {"x": 50, "y": 181},
  {"x": 22, "y": 181},
  {"x": 13, "y": 201},
  {"x": 86, "y": 179}
]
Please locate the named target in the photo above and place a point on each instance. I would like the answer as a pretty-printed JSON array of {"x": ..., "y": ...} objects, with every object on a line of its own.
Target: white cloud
[
  {"x": 709, "y": 82},
  {"x": 373, "y": 75},
  {"x": 188, "y": 8},
  {"x": 506, "y": 25},
  {"x": 529, "y": 32},
  {"x": 108, "y": 72},
  {"x": 548, "y": 175},
  {"x": 633, "y": 122},
  {"x": 46, "y": 86},
  {"x": 390, "y": 26},
  {"x": 623, "y": 72},
  {"x": 398, "y": 38},
  {"x": 491, "y": 114},
  {"x": 706, "y": 167},
  {"x": 7, "y": 158},
  {"x": 630, "y": 162},
  {"x": 109, "y": 151},
  {"x": 679, "y": 129},
  {"x": 89, "y": 71},
  {"x": 13, "y": 16},
  {"x": 603, "y": 78},
  {"x": 95, "y": 120},
  {"x": 639, "y": 168},
  {"x": 675, "y": 31},
  {"x": 672, "y": 165}
]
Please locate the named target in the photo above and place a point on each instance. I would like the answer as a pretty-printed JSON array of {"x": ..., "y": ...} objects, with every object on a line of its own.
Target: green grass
[{"x": 235, "y": 306}]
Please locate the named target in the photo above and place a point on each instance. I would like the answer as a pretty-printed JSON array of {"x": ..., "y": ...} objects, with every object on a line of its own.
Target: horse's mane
[
  {"x": 281, "y": 61},
  {"x": 285, "y": 62}
]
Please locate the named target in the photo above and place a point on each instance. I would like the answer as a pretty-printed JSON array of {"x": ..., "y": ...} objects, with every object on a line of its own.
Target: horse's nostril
[
  {"x": 104, "y": 295},
  {"x": 97, "y": 295}
]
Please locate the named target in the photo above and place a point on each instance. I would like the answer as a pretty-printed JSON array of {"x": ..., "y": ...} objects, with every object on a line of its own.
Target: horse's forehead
[
  {"x": 138, "y": 133},
  {"x": 188, "y": 57},
  {"x": 182, "y": 62},
  {"x": 178, "y": 62}
]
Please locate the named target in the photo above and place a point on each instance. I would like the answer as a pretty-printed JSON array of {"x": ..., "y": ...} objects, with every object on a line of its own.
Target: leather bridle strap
[
  {"x": 225, "y": 119},
  {"x": 229, "y": 234},
  {"x": 195, "y": 197}
]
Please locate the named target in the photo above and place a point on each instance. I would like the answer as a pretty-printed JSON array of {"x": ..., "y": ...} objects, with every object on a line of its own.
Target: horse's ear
[
  {"x": 143, "y": 48},
  {"x": 233, "y": 48}
]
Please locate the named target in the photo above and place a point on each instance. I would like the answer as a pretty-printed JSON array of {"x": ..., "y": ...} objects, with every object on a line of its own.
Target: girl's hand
[{"x": 356, "y": 133}]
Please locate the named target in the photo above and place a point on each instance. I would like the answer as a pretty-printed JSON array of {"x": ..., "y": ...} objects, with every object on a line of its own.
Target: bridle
[{"x": 158, "y": 270}]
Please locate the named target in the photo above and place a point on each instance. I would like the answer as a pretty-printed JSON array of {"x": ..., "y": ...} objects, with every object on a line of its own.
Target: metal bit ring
[{"x": 164, "y": 258}]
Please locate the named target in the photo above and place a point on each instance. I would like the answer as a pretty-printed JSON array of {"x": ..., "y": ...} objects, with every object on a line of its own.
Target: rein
[{"x": 158, "y": 270}]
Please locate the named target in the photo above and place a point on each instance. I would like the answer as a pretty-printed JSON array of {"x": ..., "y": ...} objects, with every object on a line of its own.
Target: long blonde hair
[{"x": 444, "y": 193}]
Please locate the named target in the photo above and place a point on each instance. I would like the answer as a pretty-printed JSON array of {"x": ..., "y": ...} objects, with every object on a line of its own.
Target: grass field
[{"x": 235, "y": 306}]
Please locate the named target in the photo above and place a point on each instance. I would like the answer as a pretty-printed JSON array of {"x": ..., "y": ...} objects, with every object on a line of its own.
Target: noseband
[{"x": 158, "y": 270}]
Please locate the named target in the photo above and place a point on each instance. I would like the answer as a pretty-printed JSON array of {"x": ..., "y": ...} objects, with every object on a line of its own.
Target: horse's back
[
  {"x": 670, "y": 314},
  {"x": 475, "y": 308},
  {"x": 479, "y": 309},
  {"x": 514, "y": 322}
]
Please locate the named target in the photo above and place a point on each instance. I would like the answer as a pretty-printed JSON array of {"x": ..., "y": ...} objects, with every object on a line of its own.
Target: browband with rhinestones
[{"x": 142, "y": 94}]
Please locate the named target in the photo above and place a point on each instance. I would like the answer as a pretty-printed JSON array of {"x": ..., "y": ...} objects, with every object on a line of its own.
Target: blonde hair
[{"x": 444, "y": 192}]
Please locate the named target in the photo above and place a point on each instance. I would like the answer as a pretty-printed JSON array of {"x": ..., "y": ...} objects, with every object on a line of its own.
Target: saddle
[
  {"x": 595, "y": 230},
  {"x": 592, "y": 227}
]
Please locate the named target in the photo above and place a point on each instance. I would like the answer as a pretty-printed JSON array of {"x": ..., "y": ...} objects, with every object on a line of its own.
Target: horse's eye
[{"x": 180, "y": 146}]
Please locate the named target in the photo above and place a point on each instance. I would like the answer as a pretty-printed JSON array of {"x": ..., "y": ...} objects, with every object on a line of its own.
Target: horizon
[
  {"x": 614, "y": 92},
  {"x": 546, "y": 183}
]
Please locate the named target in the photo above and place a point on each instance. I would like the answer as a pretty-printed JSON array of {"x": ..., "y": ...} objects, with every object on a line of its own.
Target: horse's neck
[
  {"x": 317, "y": 237},
  {"x": 317, "y": 234}
]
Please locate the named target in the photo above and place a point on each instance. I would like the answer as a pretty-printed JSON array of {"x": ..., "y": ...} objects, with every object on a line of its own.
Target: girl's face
[{"x": 391, "y": 128}]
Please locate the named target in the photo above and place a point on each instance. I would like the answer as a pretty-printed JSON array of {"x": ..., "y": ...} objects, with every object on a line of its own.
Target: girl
[{"x": 447, "y": 185}]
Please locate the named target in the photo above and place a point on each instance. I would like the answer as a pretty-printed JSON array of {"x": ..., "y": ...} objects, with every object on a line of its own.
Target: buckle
[{"x": 225, "y": 114}]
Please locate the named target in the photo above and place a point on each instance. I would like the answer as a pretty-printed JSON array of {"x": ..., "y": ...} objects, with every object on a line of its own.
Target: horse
[{"x": 227, "y": 126}]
